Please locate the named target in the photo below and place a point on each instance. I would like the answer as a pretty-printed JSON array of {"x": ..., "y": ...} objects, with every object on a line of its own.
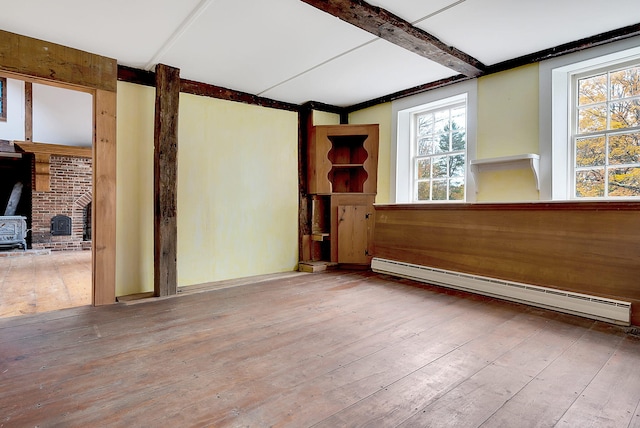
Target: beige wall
[
  {"x": 134, "y": 189},
  {"x": 508, "y": 123},
  {"x": 237, "y": 176},
  {"x": 380, "y": 114},
  {"x": 237, "y": 190}
]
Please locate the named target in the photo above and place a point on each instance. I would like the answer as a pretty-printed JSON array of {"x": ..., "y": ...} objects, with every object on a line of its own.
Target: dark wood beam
[
  {"x": 206, "y": 90},
  {"x": 564, "y": 49},
  {"x": 317, "y": 105},
  {"x": 305, "y": 122},
  {"x": 147, "y": 78},
  {"x": 136, "y": 75},
  {"x": 165, "y": 180},
  {"x": 396, "y": 30},
  {"x": 408, "y": 92},
  {"x": 568, "y": 48}
]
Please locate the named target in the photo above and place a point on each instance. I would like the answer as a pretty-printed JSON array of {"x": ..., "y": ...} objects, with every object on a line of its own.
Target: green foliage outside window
[
  {"x": 607, "y": 139},
  {"x": 440, "y": 154}
]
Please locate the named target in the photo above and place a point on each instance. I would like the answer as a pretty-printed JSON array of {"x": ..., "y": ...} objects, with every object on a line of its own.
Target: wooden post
[
  {"x": 103, "y": 205},
  {"x": 305, "y": 121},
  {"x": 165, "y": 180},
  {"x": 28, "y": 111}
]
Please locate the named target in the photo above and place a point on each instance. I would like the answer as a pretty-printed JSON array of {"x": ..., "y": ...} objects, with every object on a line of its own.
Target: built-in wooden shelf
[
  {"x": 527, "y": 160},
  {"x": 342, "y": 181}
]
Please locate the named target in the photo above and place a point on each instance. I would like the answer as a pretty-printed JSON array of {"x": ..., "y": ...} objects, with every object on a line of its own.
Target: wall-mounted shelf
[{"x": 527, "y": 160}]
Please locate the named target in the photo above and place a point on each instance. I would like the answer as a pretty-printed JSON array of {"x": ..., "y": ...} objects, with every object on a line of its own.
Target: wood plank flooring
[
  {"x": 35, "y": 283},
  {"x": 335, "y": 349}
]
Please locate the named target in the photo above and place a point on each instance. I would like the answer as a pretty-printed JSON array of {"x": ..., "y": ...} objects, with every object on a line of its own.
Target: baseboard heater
[{"x": 614, "y": 311}]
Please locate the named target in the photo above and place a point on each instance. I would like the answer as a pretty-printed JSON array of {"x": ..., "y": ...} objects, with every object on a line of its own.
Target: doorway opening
[{"x": 55, "y": 163}]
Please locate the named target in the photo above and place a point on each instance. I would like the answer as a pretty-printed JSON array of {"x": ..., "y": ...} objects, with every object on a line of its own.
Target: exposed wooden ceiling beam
[
  {"x": 564, "y": 49},
  {"x": 396, "y": 30}
]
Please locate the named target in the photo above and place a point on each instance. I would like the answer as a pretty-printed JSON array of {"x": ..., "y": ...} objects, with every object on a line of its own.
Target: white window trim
[
  {"x": 555, "y": 111},
  {"x": 402, "y": 113}
]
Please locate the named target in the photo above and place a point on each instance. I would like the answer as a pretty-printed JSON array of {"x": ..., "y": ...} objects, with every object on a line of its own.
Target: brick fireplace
[{"x": 69, "y": 194}]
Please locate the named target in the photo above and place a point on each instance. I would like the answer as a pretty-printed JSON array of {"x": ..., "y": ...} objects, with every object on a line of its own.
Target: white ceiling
[{"x": 290, "y": 51}]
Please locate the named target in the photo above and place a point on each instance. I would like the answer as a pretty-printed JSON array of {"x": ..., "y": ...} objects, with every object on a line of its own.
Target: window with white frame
[
  {"x": 606, "y": 132},
  {"x": 434, "y": 139},
  {"x": 589, "y": 123},
  {"x": 439, "y": 151}
]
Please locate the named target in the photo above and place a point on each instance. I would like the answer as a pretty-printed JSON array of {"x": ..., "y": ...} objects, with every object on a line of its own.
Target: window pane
[
  {"x": 441, "y": 121},
  {"x": 442, "y": 145},
  {"x": 426, "y": 146},
  {"x": 423, "y": 191},
  {"x": 592, "y": 90},
  {"x": 625, "y": 83},
  {"x": 459, "y": 118},
  {"x": 439, "y": 191},
  {"x": 456, "y": 189},
  {"x": 423, "y": 169},
  {"x": 624, "y": 182},
  {"x": 592, "y": 118},
  {"x": 425, "y": 124},
  {"x": 625, "y": 114},
  {"x": 624, "y": 149},
  {"x": 590, "y": 151},
  {"x": 456, "y": 166},
  {"x": 458, "y": 140},
  {"x": 440, "y": 167},
  {"x": 439, "y": 132},
  {"x": 590, "y": 183}
]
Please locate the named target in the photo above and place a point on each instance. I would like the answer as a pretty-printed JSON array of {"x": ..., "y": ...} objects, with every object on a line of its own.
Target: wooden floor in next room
[
  {"x": 335, "y": 349},
  {"x": 39, "y": 281}
]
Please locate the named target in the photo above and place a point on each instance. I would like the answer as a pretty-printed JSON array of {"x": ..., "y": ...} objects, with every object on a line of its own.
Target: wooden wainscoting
[{"x": 584, "y": 247}]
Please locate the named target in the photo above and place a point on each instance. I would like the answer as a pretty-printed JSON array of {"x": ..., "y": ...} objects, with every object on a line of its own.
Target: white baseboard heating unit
[{"x": 599, "y": 308}]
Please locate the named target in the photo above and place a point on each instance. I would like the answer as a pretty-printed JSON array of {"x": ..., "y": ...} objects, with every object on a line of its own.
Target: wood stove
[{"x": 13, "y": 231}]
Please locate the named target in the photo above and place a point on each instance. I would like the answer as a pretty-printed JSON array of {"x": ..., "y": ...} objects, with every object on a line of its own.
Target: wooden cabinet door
[{"x": 353, "y": 234}]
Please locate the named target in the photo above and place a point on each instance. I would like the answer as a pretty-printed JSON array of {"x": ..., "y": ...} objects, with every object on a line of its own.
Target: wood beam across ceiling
[{"x": 396, "y": 30}]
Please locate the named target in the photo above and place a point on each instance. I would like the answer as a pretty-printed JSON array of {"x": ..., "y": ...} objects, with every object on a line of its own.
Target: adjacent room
[{"x": 320, "y": 213}]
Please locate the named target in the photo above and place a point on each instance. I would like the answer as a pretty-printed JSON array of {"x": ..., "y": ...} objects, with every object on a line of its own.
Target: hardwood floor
[
  {"x": 323, "y": 350},
  {"x": 35, "y": 283}
]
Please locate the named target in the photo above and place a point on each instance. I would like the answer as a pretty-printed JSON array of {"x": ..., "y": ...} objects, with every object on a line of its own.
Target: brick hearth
[{"x": 70, "y": 192}]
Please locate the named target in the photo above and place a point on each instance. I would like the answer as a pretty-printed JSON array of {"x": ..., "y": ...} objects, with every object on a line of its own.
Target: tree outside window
[
  {"x": 440, "y": 146},
  {"x": 607, "y": 134}
]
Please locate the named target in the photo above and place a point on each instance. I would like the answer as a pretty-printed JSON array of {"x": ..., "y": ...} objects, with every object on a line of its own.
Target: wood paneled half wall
[{"x": 583, "y": 247}]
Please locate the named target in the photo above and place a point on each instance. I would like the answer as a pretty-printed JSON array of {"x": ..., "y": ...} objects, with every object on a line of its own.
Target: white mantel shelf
[{"x": 527, "y": 160}]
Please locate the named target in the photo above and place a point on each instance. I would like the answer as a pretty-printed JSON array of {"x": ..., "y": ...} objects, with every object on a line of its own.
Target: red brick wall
[{"x": 70, "y": 192}]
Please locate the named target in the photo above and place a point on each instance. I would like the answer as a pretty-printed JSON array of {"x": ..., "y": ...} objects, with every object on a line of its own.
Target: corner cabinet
[{"x": 342, "y": 181}]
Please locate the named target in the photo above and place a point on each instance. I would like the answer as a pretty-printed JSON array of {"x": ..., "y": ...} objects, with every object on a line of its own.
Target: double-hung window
[
  {"x": 434, "y": 140},
  {"x": 606, "y": 132},
  {"x": 439, "y": 152}
]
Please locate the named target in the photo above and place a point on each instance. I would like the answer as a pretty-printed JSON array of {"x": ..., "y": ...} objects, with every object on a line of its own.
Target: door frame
[{"x": 38, "y": 61}]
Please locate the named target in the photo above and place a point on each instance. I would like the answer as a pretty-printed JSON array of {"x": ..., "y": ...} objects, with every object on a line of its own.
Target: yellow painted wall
[
  {"x": 508, "y": 123},
  {"x": 325, "y": 118},
  {"x": 237, "y": 190},
  {"x": 380, "y": 114},
  {"x": 134, "y": 198}
]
